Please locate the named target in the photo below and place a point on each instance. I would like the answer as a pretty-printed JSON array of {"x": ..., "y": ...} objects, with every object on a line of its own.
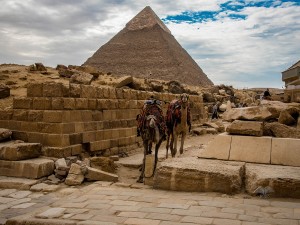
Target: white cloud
[{"x": 244, "y": 53}]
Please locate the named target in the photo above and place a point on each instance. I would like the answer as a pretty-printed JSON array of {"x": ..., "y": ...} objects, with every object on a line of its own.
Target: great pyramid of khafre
[{"x": 145, "y": 48}]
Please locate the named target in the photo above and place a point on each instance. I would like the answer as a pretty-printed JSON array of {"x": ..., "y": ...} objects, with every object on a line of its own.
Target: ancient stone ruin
[{"x": 145, "y": 48}]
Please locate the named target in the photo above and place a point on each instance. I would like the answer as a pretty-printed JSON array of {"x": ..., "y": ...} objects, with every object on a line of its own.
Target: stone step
[
  {"x": 16, "y": 183},
  {"x": 284, "y": 180},
  {"x": 30, "y": 168},
  {"x": 201, "y": 175},
  {"x": 14, "y": 151}
]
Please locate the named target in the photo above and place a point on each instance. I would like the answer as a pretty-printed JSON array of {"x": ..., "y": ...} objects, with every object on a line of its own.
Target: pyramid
[{"x": 145, "y": 48}]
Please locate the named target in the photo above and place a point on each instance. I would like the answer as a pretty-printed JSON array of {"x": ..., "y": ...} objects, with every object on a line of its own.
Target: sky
[{"x": 245, "y": 44}]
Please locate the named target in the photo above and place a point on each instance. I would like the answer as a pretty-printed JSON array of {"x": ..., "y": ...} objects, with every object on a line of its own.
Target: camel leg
[
  {"x": 167, "y": 146},
  {"x": 141, "y": 178},
  {"x": 175, "y": 143},
  {"x": 182, "y": 142},
  {"x": 156, "y": 154}
]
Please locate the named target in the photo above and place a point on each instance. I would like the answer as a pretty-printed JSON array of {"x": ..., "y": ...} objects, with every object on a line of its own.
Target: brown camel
[
  {"x": 152, "y": 129},
  {"x": 178, "y": 122}
]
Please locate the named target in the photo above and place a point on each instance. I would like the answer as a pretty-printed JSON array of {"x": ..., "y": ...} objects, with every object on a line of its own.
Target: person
[
  {"x": 267, "y": 94},
  {"x": 215, "y": 112}
]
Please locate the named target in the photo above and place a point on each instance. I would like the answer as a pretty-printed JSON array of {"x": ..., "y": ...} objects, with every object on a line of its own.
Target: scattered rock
[
  {"x": 124, "y": 81},
  {"x": 276, "y": 129},
  {"x": 5, "y": 134},
  {"x": 81, "y": 78},
  {"x": 250, "y": 128}
]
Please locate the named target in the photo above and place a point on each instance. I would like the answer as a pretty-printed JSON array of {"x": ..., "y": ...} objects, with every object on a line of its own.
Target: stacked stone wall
[{"x": 69, "y": 119}]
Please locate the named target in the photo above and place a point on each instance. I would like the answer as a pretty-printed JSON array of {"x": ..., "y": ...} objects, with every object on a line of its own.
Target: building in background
[{"x": 291, "y": 77}]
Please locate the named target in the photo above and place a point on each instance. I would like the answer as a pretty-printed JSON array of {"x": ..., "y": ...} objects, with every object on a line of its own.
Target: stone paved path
[{"x": 115, "y": 204}]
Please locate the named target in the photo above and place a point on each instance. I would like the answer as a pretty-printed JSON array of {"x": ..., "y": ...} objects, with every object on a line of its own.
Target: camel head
[
  {"x": 151, "y": 119},
  {"x": 184, "y": 99}
]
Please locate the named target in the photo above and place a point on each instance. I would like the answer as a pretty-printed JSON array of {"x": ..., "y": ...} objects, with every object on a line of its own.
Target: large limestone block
[
  {"x": 251, "y": 149},
  {"x": 75, "y": 176},
  {"x": 30, "y": 168},
  {"x": 16, "y": 183},
  {"x": 19, "y": 151},
  {"x": 5, "y": 134},
  {"x": 254, "y": 113},
  {"x": 201, "y": 175},
  {"x": 285, "y": 180},
  {"x": 218, "y": 148},
  {"x": 100, "y": 175},
  {"x": 279, "y": 130},
  {"x": 285, "y": 151},
  {"x": 251, "y": 128}
]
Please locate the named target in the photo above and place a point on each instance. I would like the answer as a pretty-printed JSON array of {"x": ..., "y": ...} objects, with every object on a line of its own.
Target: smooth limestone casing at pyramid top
[{"x": 145, "y": 48}]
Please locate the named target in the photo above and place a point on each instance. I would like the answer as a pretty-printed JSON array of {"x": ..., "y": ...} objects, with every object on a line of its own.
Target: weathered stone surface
[
  {"x": 30, "y": 168},
  {"x": 75, "y": 176},
  {"x": 4, "y": 91},
  {"x": 286, "y": 118},
  {"x": 100, "y": 175},
  {"x": 251, "y": 128},
  {"x": 16, "y": 183},
  {"x": 103, "y": 163},
  {"x": 123, "y": 81},
  {"x": 218, "y": 148},
  {"x": 51, "y": 213},
  {"x": 285, "y": 151},
  {"x": 191, "y": 174},
  {"x": 81, "y": 78},
  {"x": 251, "y": 149},
  {"x": 279, "y": 130},
  {"x": 256, "y": 113},
  {"x": 19, "y": 151},
  {"x": 5, "y": 134},
  {"x": 285, "y": 180},
  {"x": 44, "y": 187}
]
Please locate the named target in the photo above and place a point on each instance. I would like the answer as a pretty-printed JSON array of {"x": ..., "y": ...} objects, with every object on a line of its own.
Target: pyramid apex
[{"x": 146, "y": 19}]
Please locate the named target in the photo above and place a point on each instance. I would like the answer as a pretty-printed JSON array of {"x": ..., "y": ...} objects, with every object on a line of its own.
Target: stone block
[
  {"x": 52, "y": 116},
  {"x": 57, "y": 152},
  {"x": 92, "y": 104},
  {"x": 76, "y": 149},
  {"x": 6, "y": 114},
  {"x": 19, "y": 151},
  {"x": 4, "y": 134},
  {"x": 22, "y": 103},
  {"x": 112, "y": 93},
  {"x": 20, "y": 135},
  {"x": 217, "y": 148},
  {"x": 98, "y": 145},
  {"x": 97, "y": 115},
  {"x": 86, "y": 115},
  {"x": 35, "y": 89},
  {"x": 69, "y": 103},
  {"x": 14, "y": 125},
  {"x": 30, "y": 168},
  {"x": 89, "y": 136},
  {"x": 41, "y": 103},
  {"x": 251, "y": 149},
  {"x": 251, "y": 128},
  {"x": 51, "y": 89},
  {"x": 199, "y": 175},
  {"x": 29, "y": 126},
  {"x": 285, "y": 151},
  {"x": 88, "y": 91},
  {"x": 75, "y": 177},
  {"x": 20, "y": 115},
  {"x": 56, "y": 140},
  {"x": 285, "y": 180},
  {"x": 57, "y": 103},
  {"x": 16, "y": 183},
  {"x": 99, "y": 92},
  {"x": 94, "y": 174},
  {"x": 75, "y": 90},
  {"x": 75, "y": 138},
  {"x": 35, "y": 115},
  {"x": 35, "y": 137},
  {"x": 4, "y": 123},
  {"x": 81, "y": 103}
]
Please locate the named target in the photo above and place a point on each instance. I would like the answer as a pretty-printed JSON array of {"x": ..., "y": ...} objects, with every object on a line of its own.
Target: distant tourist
[
  {"x": 267, "y": 95},
  {"x": 215, "y": 112}
]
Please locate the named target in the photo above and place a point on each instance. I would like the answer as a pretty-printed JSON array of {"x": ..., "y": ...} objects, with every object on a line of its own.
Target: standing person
[
  {"x": 267, "y": 95},
  {"x": 215, "y": 112}
]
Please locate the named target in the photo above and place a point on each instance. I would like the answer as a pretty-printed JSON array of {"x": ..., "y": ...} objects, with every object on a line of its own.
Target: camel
[
  {"x": 152, "y": 130},
  {"x": 178, "y": 122}
]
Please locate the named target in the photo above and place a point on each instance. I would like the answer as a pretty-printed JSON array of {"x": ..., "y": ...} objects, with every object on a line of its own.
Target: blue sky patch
[{"x": 232, "y": 10}]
